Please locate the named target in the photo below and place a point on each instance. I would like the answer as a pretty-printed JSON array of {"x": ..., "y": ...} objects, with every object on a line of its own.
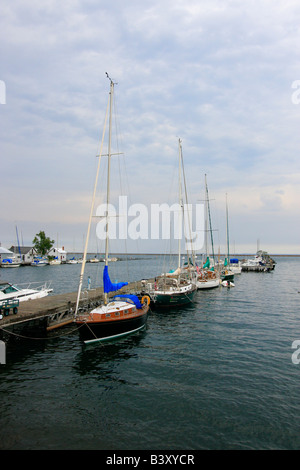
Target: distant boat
[
  {"x": 10, "y": 291},
  {"x": 123, "y": 314},
  {"x": 55, "y": 262},
  {"x": 10, "y": 263},
  {"x": 94, "y": 260},
  {"x": 261, "y": 262},
  {"x": 72, "y": 261},
  {"x": 7, "y": 259},
  {"x": 39, "y": 261}
]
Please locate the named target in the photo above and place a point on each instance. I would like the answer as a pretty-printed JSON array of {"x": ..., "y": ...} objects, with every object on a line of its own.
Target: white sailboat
[
  {"x": 123, "y": 314},
  {"x": 207, "y": 276}
]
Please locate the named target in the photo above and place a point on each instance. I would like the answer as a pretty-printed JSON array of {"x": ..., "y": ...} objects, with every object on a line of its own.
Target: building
[
  {"x": 58, "y": 253},
  {"x": 24, "y": 254}
]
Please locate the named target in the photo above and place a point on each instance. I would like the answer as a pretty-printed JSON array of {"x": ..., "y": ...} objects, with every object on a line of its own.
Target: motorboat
[
  {"x": 39, "y": 261},
  {"x": 10, "y": 263},
  {"x": 10, "y": 291}
]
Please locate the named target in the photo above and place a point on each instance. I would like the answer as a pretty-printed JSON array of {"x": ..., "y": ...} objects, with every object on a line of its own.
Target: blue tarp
[
  {"x": 234, "y": 260},
  {"x": 110, "y": 286},
  {"x": 131, "y": 298}
]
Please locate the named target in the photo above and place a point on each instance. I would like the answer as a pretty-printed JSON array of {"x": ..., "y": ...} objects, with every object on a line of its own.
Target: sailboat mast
[
  {"x": 227, "y": 230},
  {"x": 180, "y": 205},
  {"x": 90, "y": 219},
  {"x": 209, "y": 216},
  {"x": 108, "y": 175}
]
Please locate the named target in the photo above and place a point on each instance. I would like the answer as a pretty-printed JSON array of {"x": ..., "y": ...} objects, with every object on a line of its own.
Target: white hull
[
  {"x": 208, "y": 284},
  {"x": 9, "y": 292}
]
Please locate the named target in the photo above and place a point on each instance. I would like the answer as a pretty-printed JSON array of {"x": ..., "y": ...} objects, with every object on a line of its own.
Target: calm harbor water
[{"x": 216, "y": 375}]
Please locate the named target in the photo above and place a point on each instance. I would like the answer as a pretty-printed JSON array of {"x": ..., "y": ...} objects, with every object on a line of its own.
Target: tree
[{"x": 42, "y": 244}]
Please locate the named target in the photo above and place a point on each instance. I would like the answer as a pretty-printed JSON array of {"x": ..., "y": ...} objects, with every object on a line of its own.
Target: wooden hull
[{"x": 111, "y": 324}]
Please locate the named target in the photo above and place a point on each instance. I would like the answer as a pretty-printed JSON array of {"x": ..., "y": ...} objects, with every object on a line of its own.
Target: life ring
[{"x": 147, "y": 299}]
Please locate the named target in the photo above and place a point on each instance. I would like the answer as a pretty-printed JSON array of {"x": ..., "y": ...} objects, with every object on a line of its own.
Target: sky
[{"x": 223, "y": 76}]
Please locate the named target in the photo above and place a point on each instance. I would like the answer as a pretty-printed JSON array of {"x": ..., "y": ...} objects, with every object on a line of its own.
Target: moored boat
[
  {"x": 10, "y": 291},
  {"x": 122, "y": 315}
]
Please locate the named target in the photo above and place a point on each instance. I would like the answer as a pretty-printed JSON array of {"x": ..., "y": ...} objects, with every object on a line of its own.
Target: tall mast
[
  {"x": 90, "y": 219},
  {"x": 180, "y": 206},
  {"x": 227, "y": 230},
  {"x": 209, "y": 216},
  {"x": 108, "y": 174}
]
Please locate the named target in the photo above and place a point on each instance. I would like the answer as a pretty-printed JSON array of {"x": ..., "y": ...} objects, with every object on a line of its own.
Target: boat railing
[{"x": 36, "y": 285}]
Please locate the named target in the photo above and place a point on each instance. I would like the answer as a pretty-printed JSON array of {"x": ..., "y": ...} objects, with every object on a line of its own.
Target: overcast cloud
[{"x": 217, "y": 74}]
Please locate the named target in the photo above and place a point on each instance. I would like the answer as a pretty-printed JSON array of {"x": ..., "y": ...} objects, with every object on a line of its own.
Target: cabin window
[{"x": 107, "y": 315}]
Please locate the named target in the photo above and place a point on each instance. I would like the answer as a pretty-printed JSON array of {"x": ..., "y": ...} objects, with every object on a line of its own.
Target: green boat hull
[{"x": 174, "y": 299}]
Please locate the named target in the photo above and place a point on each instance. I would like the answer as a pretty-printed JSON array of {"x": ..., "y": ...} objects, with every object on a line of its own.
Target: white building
[
  {"x": 24, "y": 254},
  {"x": 58, "y": 253}
]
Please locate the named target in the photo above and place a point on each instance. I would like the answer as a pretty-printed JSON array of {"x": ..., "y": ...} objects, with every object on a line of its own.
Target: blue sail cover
[
  {"x": 130, "y": 298},
  {"x": 108, "y": 285}
]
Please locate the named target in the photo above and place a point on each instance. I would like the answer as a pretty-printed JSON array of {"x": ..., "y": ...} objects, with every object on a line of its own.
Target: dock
[
  {"x": 257, "y": 269},
  {"x": 56, "y": 311}
]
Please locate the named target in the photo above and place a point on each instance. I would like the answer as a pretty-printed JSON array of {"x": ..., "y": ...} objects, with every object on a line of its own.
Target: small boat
[
  {"x": 72, "y": 261},
  {"x": 94, "y": 260},
  {"x": 10, "y": 291},
  {"x": 207, "y": 279},
  {"x": 123, "y": 314},
  {"x": 10, "y": 263},
  {"x": 39, "y": 261},
  {"x": 54, "y": 262},
  {"x": 235, "y": 266}
]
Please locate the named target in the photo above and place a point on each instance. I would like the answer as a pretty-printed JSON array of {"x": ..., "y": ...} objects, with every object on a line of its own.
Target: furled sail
[{"x": 110, "y": 286}]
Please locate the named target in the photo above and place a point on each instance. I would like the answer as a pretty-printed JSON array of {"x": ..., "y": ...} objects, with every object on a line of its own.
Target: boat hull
[
  {"x": 92, "y": 331},
  {"x": 164, "y": 299},
  {"x": 208, "y": 284}
]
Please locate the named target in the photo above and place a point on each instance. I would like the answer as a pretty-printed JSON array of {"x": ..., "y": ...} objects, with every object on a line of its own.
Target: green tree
[{"x": 42, "y": 244}]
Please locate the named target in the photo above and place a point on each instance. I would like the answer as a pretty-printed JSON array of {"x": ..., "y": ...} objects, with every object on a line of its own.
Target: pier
[{"x": 55, "y": 311}]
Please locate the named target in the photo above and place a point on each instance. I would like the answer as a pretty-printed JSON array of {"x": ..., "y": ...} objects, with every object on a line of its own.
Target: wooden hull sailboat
[{"x": 123, "y": 314}]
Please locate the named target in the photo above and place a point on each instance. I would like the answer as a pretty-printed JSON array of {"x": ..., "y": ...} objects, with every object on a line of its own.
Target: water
[{"x": 216, "y": 375}]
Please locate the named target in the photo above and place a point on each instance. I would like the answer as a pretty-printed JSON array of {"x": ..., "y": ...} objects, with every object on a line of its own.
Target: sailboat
[
  {"x": 175, "y": 288},
  {"x": 123, "y": 314},
  {"x": 227, "y": 275},
  {"x": 207, "y": 276}
]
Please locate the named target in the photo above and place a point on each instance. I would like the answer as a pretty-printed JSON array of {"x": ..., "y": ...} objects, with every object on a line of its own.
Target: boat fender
[{"x": 145, "y": 299}]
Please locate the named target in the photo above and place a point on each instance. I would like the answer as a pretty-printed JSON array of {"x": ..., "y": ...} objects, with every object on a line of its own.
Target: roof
[
  {"x": 24, "y": 249},
  {"x": 4, "y": 250}
]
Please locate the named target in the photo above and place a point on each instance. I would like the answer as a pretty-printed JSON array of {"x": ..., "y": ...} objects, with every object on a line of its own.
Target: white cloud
[{"x": 217, "y": 74}]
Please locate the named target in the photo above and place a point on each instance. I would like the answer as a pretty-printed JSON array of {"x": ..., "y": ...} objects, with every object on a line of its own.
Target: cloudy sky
[{"x": 221, "y": 75}]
